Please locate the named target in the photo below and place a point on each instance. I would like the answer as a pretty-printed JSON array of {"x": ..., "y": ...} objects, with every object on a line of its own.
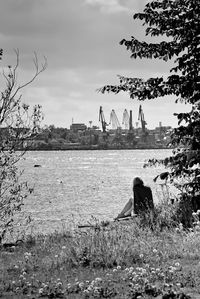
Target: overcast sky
[{"x": 80, "y": 39}]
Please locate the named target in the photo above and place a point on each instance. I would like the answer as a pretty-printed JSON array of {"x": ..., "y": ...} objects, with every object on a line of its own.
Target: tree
[
  {"x": 178, "y": 22},
  {"x": 17, "y": 126}
]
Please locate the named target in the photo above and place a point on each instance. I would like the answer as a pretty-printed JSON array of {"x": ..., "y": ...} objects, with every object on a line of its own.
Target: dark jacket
[{"x": 143, "y": 199}]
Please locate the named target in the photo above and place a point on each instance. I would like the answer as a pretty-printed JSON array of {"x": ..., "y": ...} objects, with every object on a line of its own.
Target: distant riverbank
[{"x": 93, "y": 147}]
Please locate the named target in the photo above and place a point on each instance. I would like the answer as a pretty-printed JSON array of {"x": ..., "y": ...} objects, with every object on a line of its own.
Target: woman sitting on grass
[{"x": 142, "y": 202}]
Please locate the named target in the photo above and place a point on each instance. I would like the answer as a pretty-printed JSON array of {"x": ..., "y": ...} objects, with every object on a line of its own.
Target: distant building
[{"x": 75, "y": 128}]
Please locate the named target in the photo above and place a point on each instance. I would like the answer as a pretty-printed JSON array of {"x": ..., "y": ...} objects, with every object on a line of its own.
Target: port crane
[
  {"x": 114, "y": 120},
  {"x": 141, "y": 118},
  {"x": 126, "y": 119},
  {"x": 102, "y": 120}
]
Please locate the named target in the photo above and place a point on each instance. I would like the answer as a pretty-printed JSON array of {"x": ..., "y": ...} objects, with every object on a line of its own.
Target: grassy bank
[{"x": 122, "y": 260}]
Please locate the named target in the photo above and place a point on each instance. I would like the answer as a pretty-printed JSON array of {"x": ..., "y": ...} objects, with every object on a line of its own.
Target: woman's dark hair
[{"x": 137, "y": 182}]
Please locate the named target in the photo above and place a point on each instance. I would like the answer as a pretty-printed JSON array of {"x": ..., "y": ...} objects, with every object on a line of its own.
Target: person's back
[
  {"x": 143, "y": 200},
  {"x": 141, "y": 203}
]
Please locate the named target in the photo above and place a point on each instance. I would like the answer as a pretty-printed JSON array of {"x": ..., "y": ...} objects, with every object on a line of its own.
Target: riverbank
[
  {"x": 121, "y": 260},
  {"x": 78, "y": 147}
]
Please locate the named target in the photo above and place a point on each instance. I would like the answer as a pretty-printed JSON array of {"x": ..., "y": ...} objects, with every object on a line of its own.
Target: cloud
[
  {"x": 81, "y": 42},
  {"x": 108, "y": 7}
]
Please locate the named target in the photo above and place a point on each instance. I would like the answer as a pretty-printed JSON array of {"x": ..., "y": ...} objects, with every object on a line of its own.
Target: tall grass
[{"x": 106, "y": 260}]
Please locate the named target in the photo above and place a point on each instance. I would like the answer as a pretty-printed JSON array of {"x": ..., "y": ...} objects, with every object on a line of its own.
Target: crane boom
[
  {"x": 114, "y": 120},
  {"x": 141, "y": 118},
  {"x": 125, "y": 119},
  {"x": 102, "y": 119}
]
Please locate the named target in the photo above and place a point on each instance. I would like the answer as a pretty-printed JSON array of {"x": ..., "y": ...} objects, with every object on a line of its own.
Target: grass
[{"x": 122, "y": 260}]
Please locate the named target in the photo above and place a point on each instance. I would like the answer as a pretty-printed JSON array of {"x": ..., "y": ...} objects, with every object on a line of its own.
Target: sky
[{"x": 80, "y": 40}]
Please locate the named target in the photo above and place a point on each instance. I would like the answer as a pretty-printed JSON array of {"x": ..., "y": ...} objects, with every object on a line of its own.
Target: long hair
[{"x": 137, "y": 182}]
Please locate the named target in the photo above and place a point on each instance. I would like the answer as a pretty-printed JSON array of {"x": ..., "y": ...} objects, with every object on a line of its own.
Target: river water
[{"x": 72, "y": 186}]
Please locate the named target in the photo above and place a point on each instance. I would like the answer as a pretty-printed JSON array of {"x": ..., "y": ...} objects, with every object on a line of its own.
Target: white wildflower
[
  {"x": 81, "y": 285},
  {"x": 41, "y": 291},
  {"x": 59, "y": 283},
  {"x": 157, "y": 269}
]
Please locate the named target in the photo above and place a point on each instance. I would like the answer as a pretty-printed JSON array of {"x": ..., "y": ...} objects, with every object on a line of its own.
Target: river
[{"x": 72, "y": 186}]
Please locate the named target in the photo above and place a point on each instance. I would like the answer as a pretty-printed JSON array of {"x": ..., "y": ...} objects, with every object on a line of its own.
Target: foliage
[
  {"x": 17, "y": 127},
  {"x": 178, "y": 23}
]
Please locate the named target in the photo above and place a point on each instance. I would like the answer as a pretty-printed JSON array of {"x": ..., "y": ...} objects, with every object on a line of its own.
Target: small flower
[
  {"x": 114, "y": 270},
  {"x": 177, "y": 264},
  {"x": 90, "y": 288},
  {"x": 126, "y": 269},
  {"x": 40, "y": 291},
  {"x": 56, "y": 256},
  {"x": 59, "y": 283},
  {"x": 144, "y": 271},
  {"x": 119, "y": 267},
  {"x": 155, "y": 250},
  {"x": 141, "y": 256},
  {"x": 130, "y": 270},
  {"x": 63, "y": 247},
  {"x": 157, "y": 269},
  {"x": 81, "y": 285}
]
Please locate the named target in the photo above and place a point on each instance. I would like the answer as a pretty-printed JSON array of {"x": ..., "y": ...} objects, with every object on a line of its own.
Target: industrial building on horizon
[{"x": 114, "y": 135}]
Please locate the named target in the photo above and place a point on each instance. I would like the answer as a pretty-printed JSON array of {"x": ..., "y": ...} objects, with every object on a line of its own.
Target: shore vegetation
[{"x": 125, "y": 259}]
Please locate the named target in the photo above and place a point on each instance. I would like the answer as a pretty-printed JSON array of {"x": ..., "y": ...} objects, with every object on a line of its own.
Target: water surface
[{"x": 71, "y": 186}]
